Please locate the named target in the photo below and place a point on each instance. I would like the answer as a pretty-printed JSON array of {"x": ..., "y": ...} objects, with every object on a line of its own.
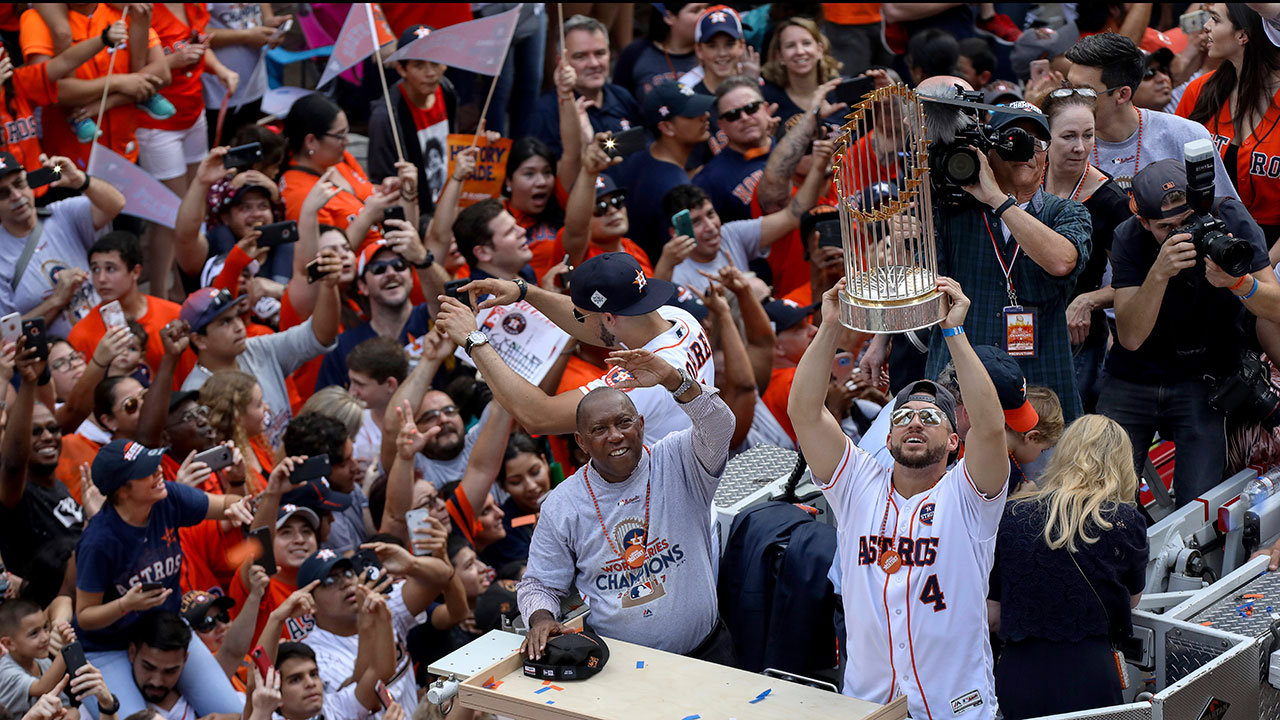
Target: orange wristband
[{"x": 1239, "y": 282}]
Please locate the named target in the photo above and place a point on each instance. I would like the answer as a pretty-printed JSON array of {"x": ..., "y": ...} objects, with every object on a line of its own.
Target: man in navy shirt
[
  {"x": 731, "y": 176},
  {"x": 586, "y": 48},
  {"x": 383, "y": 275},
  {"x": 680, "y": 120}
]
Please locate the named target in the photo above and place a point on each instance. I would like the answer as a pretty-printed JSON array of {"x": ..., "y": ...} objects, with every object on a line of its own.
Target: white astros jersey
[{"x": 920, "y": 631}]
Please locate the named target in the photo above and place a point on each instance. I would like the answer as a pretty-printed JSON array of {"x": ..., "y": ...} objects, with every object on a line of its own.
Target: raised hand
[
  {"x": 464, "y": 164},
  {"x": 410, "y": 441},
  {"x": 959, "y": 302},
  {"x": 645, "y": 369},
  {"x": 321, "y": 193},
  {"x": 67, "y": 282},
  {"x": 457, "y": 319},
  {"x": 192, "y": 472},
  {"x": 211, "y": 169},
  {"x": 175, "y": 337}
]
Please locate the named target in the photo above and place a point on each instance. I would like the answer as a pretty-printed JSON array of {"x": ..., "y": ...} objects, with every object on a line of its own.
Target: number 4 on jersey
[{"x": 932, "y": 594}]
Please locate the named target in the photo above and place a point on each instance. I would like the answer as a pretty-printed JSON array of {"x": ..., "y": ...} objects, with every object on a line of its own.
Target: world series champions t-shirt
[{"x": 113, "y": 556}]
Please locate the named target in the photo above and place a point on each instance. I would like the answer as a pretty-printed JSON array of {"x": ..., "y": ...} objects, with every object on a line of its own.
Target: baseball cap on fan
[
  {"x": 1153, "y": 183},
  {"x": 9, "y": 163},
  {"x": 615, "y": 283},
  {"x": 717, "y": 19},
  {"x": 671, "y": 99}
]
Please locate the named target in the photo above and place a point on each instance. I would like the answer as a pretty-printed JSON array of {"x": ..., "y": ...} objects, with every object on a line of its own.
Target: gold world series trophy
[{"x": 890, "y": 262}]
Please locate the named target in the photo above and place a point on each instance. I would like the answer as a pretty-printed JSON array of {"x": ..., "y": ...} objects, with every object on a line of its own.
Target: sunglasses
[
  {"x": 736, "y": 113},
  {"x": 1040, "y": 145},
  {"x": 431, "y": 416},
  {"x": 338, "y": 577},
  {"x": 67, "y": 362},
  {"x": 580, "y": 316},
  {"x": 380, "y": 267},
  {"x": 209, "y": 622},
  {"x": 131, "y": 404},
  {"x": 1069, "y": 91},
  {"x": 616, "y": 201},
  {"x": 930, "y": 417},
  {"x": 1152, "y": 70},
  {"x": 53, "y": 429}
]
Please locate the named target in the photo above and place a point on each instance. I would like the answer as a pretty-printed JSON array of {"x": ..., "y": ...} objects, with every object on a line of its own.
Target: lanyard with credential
[{"x": 1006, "y": 269}]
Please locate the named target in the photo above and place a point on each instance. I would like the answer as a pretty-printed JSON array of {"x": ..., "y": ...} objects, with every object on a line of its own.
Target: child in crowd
[
  {"x": 27, "y": 671},
  {"x": 129, "y": 363}
]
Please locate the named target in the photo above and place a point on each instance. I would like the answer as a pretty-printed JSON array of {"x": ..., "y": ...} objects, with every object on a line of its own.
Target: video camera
[
  {"x": 955, "y": 131},
  {"x": 1208, "y": 233}
]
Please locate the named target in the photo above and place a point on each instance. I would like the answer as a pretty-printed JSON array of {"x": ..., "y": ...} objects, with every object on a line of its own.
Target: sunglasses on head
[
  {"x": 930, "y": 417},
  {"x": 1069, "y": 91},
  {"x": 209, "y": 622},
  {"x": 736, "y": 113},
  {"x": 616, "y": 201},
  {"x": 379, "y": 267}
]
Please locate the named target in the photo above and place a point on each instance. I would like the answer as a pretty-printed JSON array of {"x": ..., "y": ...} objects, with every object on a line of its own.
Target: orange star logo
[{"x": 170, "y": 536}]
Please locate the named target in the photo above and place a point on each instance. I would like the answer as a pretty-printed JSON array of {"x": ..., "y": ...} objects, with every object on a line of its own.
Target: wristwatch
[
  {"x": 686, "y": 382},
  {"x": 427, "y": 262},
  {"x": 115, "y": 706},
  {"x": 475, "y": 339}
]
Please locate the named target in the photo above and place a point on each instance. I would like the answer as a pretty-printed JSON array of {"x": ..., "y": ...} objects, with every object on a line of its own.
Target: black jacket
[{"x": 382, "y": 144}]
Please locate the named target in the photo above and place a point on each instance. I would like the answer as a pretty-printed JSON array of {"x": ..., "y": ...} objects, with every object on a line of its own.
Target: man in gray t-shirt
[{"x": 631, "y": 530}]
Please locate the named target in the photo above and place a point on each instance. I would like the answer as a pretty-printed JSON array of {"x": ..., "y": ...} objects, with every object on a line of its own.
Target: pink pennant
[
  {"x": 478, "y": 45},
  {"x": 144, "y": 196}
]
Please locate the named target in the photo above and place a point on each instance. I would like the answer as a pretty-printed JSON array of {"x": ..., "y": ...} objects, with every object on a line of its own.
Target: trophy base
[{"x": 880, "y": 318}]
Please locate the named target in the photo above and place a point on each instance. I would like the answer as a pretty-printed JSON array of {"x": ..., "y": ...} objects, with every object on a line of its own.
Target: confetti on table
[
  {"x": 557, "y": 688},
  {"x": 761, "y": 696},
  {"x": 1206, "y": 623},
  {"x": 1253, "y": 596},
  {"x": 690, "y": 717},
  {"x": 489, "y": 683},
  {"x": 551, "y": 702},
  {"x": 546, "y": 682},
  {"x": 541, "y": 690},
  {"x": 639, "y": 664}
]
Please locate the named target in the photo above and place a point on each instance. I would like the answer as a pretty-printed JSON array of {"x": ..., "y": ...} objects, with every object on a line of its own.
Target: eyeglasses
[
  {"x": 131, "y": 404},
  {"x": 616, "y": 201},
  {"x": 1040, "y": 145},
  {"x": 379, "y": 267},
  {"x": 67, "y": 362},
  {"x": 338, "y": 577},
  {"x": 343, "y": 137},
  {"x": 1069, "y": 91},
  {"x": 209, "y": 622},
  {"x": 736, "y": 113},
  {"x": 580, "y": 316},
  {"x": 53, "y": 429},
  {"x": 1152, "y": 70},
  {"x": 199, "y": 412},
  {"x": 930, "y": 417},
  {"x": 432, "y": 416}
]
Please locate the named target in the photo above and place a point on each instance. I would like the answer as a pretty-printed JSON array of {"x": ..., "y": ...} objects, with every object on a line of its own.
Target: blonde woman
[
  {"x": 238, "y": 413},
  {"x": 799, "y": 61},
  {"x": 1070, "y": 564}
]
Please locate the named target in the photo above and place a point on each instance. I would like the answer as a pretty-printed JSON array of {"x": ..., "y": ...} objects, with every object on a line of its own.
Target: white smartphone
[
  {"x": 11, "y": 327},
  {"x": 419, "y": 521},
  {"x": 113, "y": 315},
  {"x": 280, "y": 31}
]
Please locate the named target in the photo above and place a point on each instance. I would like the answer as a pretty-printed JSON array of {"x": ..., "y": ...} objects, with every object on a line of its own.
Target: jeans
[
  {"x": 514, "y": 97},
  {"x": 1087, "y": 360},
  {"x": 1179, "y": 412},
  {"x": 203, "y": 682}
]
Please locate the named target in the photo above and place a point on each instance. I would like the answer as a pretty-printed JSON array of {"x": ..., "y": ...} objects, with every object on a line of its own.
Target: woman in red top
[
  {"x": 533, "y": 193},
  {"x": 318, "y": 134},
  {"x": 1238, "y": 104},
  {"x": 238, "y": 413}
]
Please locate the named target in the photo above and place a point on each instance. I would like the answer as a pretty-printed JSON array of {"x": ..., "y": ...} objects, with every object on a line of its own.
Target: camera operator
[
  {"x": 983, "y": 234},
  {"x": 1176, "y": 312}
]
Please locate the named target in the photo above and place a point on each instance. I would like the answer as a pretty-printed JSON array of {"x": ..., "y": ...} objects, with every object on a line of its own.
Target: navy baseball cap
[
  {"x": 615, "y": 283},
  {"x": 572, "y": 656},
  {"x": 176, "y": 399},
  {"x": 998, "y": 92},
  {"x": 234, "y": 198},
  {"x": 414, "y": 32},
  {"x": 287, "y": 511},
  {"x": 120, "y": 461},
  {"x": 205, "y": 305},
  {"x": 317, "y": 496},
  {"x": 1030, "y": 113},
  {"x": 717, "y": 19},
  {"x": 195, "y": 603},
  {"x": 1041, "y": 44},
  {"x": 671, "y": 99},
  {"x": 1011, "y": 387},
  {"x": 687, "y": 300},
  {"x": 930, "y": 392},
  {"x": 1152, "y": 184},
  {"x": 786, "y": 314},
  {"x": 9, "y": 163},
  {"x": 319, "y": 565},
  {"x": 606, "y": 185}
]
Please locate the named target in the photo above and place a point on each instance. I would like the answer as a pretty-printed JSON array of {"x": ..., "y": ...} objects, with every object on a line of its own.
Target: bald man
[{"x": 631, "y": 530}]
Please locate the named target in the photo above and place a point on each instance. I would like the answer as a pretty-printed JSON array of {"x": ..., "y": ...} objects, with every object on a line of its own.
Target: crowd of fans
[{"x": 248, "y": 478}]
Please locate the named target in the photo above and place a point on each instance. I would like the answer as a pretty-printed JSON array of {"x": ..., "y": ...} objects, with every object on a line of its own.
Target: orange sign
[{"x": 491, "y": 167}]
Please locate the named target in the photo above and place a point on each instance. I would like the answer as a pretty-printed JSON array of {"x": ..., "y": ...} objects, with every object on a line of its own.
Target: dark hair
[
  {"x": 380, "y": 358},
  {"x": 518, "y": 444},
  {"x": 523, "y": 149},
  {"x": 471, "y": 228},
  {"x": 330, "y": 228},
  {"x": 162, "y": 630},
  {"x": 1121, "y": 61},
  {"x": 979, "y": 53},
  {"x": 139, "y": 332},
  {"x": 933, "y": 52},
  {"x": 456, "y": 544},
  {"x": 1053, "y": 106},
  {"x": 313, "y": 434},
  {"x": 120, "y": 241},
  {"x": 143, "y": 714},
  {"x": 104, "y": 395},
  {"x": 13, "y": 612},
  {"x": 683, "y": 197},
  {"x": 273, "y": 144},
  {"x": 733, "y": 83},
  {"x": 1261, "y": 62},
  {"x": 1092, "y": 17},
  {"x": 659, "y": 30},
  {"x": 293, "y": 650},
  {"x": 311, "y": 115}
]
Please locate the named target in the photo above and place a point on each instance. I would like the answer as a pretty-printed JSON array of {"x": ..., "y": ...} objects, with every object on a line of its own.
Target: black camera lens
[
  {"x": 961, "y": 166},
  {"x": 1234, "y": 255}
]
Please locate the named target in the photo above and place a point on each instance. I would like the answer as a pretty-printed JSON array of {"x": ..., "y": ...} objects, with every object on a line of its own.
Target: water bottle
[
  {"x": 86, "y": 130},
  {"x": 1261, "y": 487}
]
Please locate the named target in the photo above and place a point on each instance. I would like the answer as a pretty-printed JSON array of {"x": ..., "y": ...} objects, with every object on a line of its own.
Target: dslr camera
[
  {"x": 1248, "y": 395},
  {"x": 955, "y": 132},
  {"x": 1208, "y": 233}
]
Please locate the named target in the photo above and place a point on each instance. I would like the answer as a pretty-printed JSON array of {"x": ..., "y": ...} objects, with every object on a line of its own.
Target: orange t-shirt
[
  {"x": 186, "y": 92},
  {"x": 76, "y": 449},
  {"x": 87, "y": 333},
  {"x": 547, "y": 255},
  {"x": 119, "y": 123},
  {"x": 342, "y": 208},
  {"x": 277, "y": 592},
  {"x": 775, "y": 397},
  {"x": 851, "y": 13},
  {"x": 211, "y": 556},
  {"x": 21, "y": 129},
  {"x": 786, "y": 255},
  {"x": 802, "y": 295},
  {"x": 1257, "y": 157},
  {"x": 402, "y": 16}
]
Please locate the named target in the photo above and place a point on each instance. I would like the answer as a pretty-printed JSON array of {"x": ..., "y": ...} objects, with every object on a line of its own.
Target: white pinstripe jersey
[{"x": 921, "y": 631}]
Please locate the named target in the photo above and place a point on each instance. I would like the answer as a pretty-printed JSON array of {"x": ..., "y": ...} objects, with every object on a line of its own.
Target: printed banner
[
  {"x": 477, "y": 45},
  {"x": 485, "y": 182},
  {"x": 144, "y": 196},
  {"x": 525, "y": 339}
]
